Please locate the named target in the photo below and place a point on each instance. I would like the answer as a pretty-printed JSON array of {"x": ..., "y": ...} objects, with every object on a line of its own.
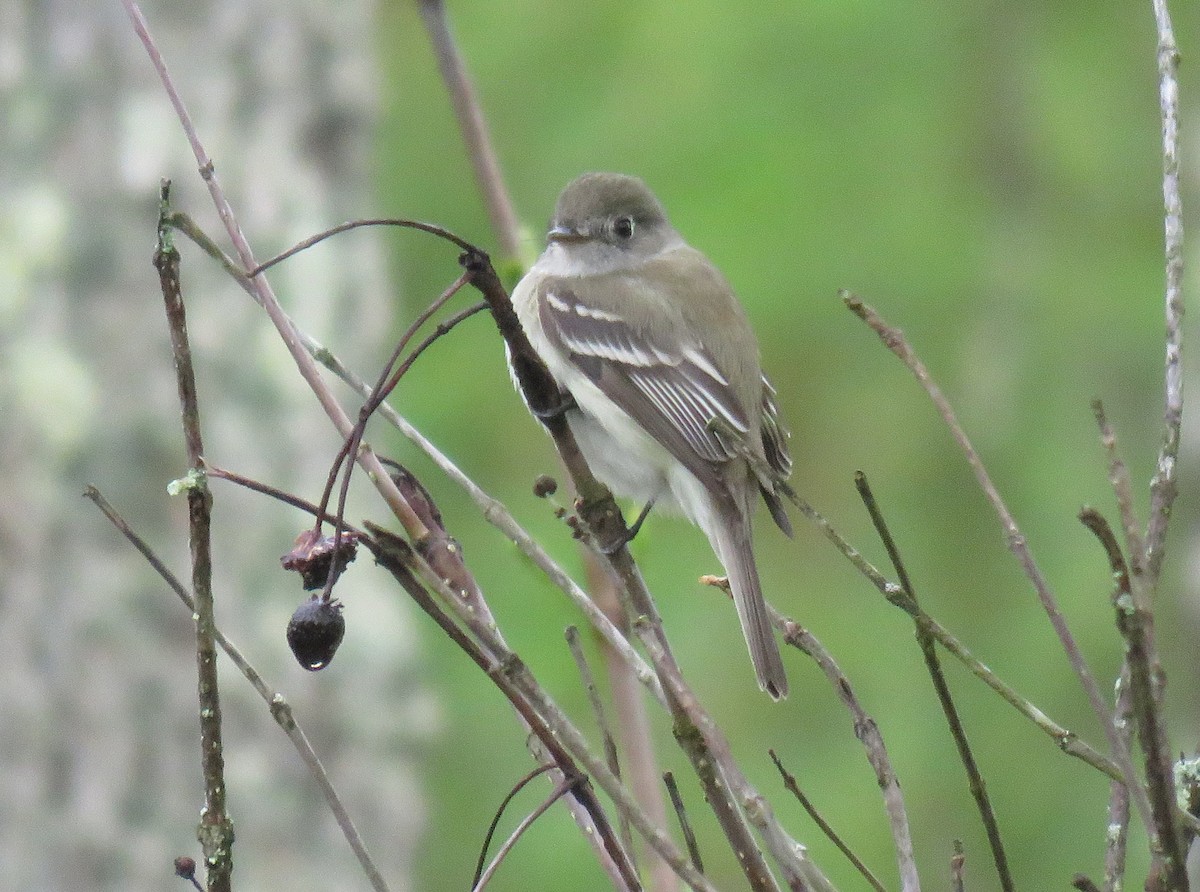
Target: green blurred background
[{"x": 987, "y": 175}]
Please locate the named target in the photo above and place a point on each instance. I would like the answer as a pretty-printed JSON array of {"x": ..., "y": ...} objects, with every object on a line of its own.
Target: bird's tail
[{"x": 731, "y": 539}]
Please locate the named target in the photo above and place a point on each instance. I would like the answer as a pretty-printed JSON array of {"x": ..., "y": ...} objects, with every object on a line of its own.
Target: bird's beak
[{"x": 561, "y": 233}]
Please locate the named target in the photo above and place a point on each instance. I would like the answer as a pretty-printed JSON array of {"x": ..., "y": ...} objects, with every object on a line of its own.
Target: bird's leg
[
  {"x": 627, "y": 536},
  {"x": 548, "y": 412}
]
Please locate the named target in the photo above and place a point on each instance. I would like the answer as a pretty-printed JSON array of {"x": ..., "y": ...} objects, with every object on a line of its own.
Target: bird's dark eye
[{"x": 623, "y": 227}]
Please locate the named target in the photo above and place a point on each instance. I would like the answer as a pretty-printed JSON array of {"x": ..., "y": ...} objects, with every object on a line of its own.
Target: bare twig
[
  {"x": 491, "y": 831},
  {"x": 1118, "y": 479},
  {"x": 866, "y": 730},
  {"x": 474, "y": 130},
  {"x": 958, "y": 865},
  {"x": 1163, "y": 487},
  {"x": 606, "y": 735},
  {"x": 789, "y": 783},
  {"x": 632, "y": 719},
  {"x": 1117, "y": 831},
  {"x": 1066, "y": 740},
  {"x": 925, "y": 641},
  {"x": 1116, "y": 836},
  {"x": 431, "y": 228},
  {"x": 593, "y": 695},
  {"x": 685, "y": 826},
  {"x": 1135, "y": 624},
  {"x": 287, "y": 498},
  {"x": 893, "y": 338},
  {"x": 383, "y": 388},
  {"x": 216, "y": 829},
  {"x": 280, "y": 709},
  {"x": 557, "y": 793}
]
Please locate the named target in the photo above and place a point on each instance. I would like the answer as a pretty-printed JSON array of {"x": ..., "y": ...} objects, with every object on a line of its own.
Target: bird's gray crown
[{"x": 595, "y": 197}]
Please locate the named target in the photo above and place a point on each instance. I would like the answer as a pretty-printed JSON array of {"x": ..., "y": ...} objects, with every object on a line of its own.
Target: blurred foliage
[{"x": 989, "y": 177}]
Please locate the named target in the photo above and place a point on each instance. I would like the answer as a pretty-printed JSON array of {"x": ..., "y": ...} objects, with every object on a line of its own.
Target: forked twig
[
  {"x": 491, "y": 831},
  {"x": 1065, "y": 739},
  {"x": 560, "y": 790},
  {"x": 894, "y": 340}
]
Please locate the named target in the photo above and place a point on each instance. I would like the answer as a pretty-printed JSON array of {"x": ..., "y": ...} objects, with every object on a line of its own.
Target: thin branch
[
  {"x": 474, "y": 129},
  {"x": 561, "y": 789},
  {"x": 287, "y": 498},
  {"x": 511, "y": 676},
  {"x": 491, "y": 831},
  {"x": 431, "y": 228},
  {"x": 894, "y": 340},
  {"x": 1116, "y": 836},
  {"x": 789, "y": 783},
  {"x": 685, "y": 826},
  {"x": 280, "y": 710},
  {"x": 1135, "y": 624},
  {"x": 1118, "y": 479},
  {"x": 867, "y": 731},
  {"x": 383, "y": 388},
  {"x": 1163, "y": 488},
  {"x": 1065, "y": 739},
  {"x": 606, "y": 735},
  {"x": 263, "y": 293},
  {"x": 925, "y": 641},
  {"x": 216, "y": 829},
  {"x": 958, "y": 865},
  {"x": 589, "y": 688},
  {"x": 632, "y": 719}
]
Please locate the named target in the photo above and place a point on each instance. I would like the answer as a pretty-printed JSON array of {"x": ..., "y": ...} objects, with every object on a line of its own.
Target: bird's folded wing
[
  {"x": 774, "y": 434},
  {"x": 669, "y": 387}
]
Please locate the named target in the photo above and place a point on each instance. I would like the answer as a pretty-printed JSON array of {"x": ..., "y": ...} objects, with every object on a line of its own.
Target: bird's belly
[{"x": 624, "y": 457}]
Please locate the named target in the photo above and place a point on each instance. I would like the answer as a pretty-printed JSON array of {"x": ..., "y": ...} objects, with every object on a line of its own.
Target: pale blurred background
[{"x": 987, "y": 175}]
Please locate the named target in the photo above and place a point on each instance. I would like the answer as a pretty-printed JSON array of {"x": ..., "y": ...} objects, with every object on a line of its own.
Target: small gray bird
[{"x": 666, "y": 396}]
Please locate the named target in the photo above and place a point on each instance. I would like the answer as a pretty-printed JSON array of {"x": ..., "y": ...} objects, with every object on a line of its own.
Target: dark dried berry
[
  {"x": 185, "y": 867},
  {"x": 545, "y": 486},
  {"x": 315, "y": 631},
  {"x": 312, "y": 555}
]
